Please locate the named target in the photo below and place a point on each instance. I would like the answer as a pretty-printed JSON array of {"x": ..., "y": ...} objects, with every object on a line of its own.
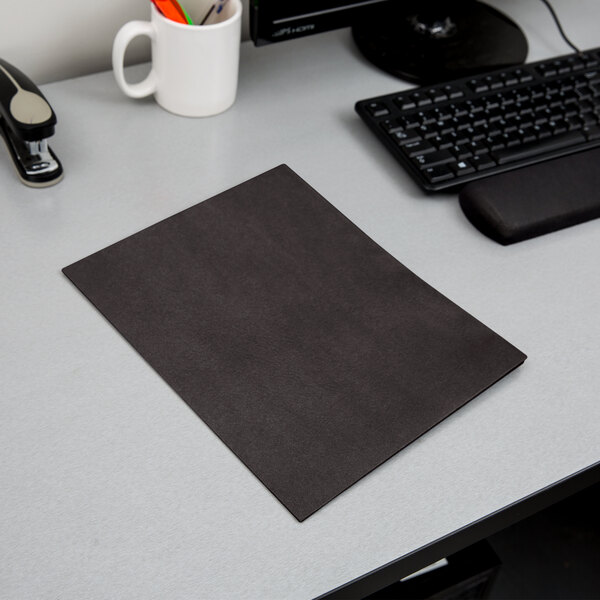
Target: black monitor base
[{"x": 429, "y": 41}]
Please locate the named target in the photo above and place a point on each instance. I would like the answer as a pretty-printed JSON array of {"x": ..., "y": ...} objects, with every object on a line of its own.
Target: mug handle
[{"x": 124, "y": 36}]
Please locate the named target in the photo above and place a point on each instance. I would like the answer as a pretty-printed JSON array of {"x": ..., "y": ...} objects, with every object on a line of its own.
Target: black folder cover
[{"x": 309, "y": 350}]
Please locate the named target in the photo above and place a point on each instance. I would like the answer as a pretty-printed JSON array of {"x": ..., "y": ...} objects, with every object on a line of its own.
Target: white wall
[{"x": 56, "y": 39}]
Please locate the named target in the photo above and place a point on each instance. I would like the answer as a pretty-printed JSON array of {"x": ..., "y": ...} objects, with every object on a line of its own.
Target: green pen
[
  {"x": 171, "y": 9},
  {"x": 187, "y": 17}
]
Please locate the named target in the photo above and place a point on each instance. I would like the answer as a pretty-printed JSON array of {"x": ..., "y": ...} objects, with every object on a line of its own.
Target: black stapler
[{"x": 26, "y": 121}]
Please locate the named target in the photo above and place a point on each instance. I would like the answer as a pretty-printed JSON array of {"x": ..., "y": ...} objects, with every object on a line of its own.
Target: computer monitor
[{"x": 424, "y": 41}]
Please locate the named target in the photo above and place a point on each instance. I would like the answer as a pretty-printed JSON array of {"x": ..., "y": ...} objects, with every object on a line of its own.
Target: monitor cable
[{"x": 560, "y": 29}]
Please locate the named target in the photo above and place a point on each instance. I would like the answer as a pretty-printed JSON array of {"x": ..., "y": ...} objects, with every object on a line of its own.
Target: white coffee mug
[{"x": 194, "y": 67}]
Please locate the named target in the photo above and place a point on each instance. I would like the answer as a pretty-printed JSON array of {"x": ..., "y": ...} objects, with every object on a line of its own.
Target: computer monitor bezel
[{"x": 269, "y": 25}]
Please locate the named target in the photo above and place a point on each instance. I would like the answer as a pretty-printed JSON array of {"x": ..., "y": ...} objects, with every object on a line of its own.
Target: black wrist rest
[{"x": 535, "y": 200}]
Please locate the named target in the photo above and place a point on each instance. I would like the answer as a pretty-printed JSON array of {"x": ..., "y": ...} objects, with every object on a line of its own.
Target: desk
[{"x": 112, "y": 488}]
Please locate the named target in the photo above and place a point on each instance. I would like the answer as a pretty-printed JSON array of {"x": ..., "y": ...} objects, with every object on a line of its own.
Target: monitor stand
[{"x": 428, "y": 41}]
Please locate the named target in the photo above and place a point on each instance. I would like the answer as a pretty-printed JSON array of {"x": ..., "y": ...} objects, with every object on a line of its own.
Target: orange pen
[{"x": 171, "y": 9}]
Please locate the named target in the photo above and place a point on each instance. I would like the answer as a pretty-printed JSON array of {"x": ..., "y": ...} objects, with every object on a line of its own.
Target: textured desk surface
[{"x": 110, "y": 487}]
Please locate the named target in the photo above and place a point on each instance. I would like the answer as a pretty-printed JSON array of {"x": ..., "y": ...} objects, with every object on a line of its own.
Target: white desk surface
[{"x": 110, "y": 487}]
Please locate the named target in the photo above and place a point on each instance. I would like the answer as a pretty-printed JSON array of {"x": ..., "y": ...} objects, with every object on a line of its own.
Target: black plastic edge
[{"x": 461, "y": 538}]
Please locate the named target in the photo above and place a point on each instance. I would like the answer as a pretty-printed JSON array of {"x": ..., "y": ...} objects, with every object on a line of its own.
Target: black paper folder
[{"x": 310, "y": 351}]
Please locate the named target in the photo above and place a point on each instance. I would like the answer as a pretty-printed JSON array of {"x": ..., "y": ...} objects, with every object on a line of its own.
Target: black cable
[{"x": 560, "y": 29}]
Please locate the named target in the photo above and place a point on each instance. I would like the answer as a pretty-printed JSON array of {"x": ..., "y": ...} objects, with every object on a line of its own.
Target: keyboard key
[
  {"x": 584, "y": 92},
  {"x": 478, "y": 86},
  {"x": 586, "y": 107},
  {"x": 438, "y": 174},
  {"x": 420, "y": 99},
  {"x": 432, "y": 159},
  {"x": 377, "y": 109},
  {"x": 577, "y": 65},
  {"x": 493, "y": 115},
  {"x": 437, "y": 95},
  {"x": 574, "y": 122},
  {"x": 567, "y": 86},
  {"x": 477, "y": 148},
  {"x": 510, "y": 79},
  {"x": 574, "y": 63},
  {"x": 427, "y": 117},
  {"x": 391, "y": 125},
  {"x": 443, "y": 113},
  {"x": 406, "y": 137},
  {"x": 592, "y": 76},
  {"x": 508, "y": 100},
  {"x": 485, "y": 161},
  {"x": 523, "y": 95},
  {"x": 537, "y": 91},
  {"x": 406, "y": 103},
  {"x": 475, "y": 106},
  {"x": 513, "y": 139},
  {"x": 525, "y": 151},
  {"x": 445, "y": 127},
  {"x": 560, "y": 126},
  {"x": 463, "y": 167},
  {"x": 543, "y": 131},
  {"x": 440, "y": 142},
  {"x": 460, "y": 110},
  {"x": 453, "y": 92},
  {"x": 479, "y": 133},
  {"x": 461, "y": 123},
  {"x": 571, "y": 111},
  {"x": 526, "y": 108},
  {"x": 461, "y": 138},
  {"x": 417, "y": 148},
  {"x": 427, "y": 131},
  {"x": 547, "y": 70},
  {"x": 592, "y": 133},
  {"x": 462, "y": 152},
  {"x": 526, "y": 122},
  {"x": 411, "y": 121}
]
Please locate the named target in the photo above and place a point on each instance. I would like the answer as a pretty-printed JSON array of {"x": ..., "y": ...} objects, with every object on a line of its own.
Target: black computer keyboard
[{"x": 448, "y": 134}]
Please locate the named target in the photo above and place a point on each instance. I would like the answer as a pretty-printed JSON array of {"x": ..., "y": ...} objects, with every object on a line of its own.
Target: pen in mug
[
  {"x": 217, "y": 6},
  {"x": 171, "y": 9}
]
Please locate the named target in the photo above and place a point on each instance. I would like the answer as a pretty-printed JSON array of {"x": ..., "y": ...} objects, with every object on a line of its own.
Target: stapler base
[{"x": 35, "y": 163}]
